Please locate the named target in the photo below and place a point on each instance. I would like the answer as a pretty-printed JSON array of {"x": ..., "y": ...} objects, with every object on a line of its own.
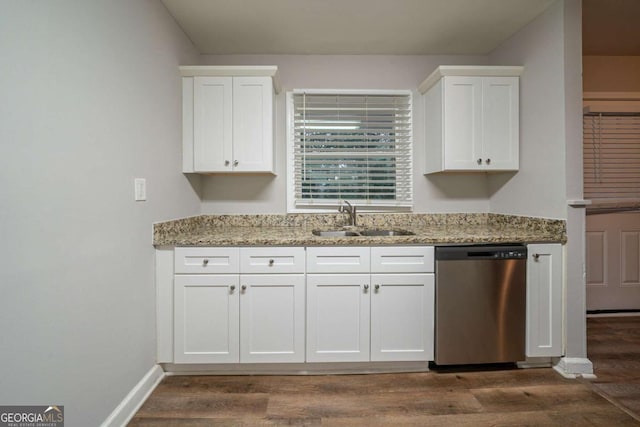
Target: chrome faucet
[{"x": 346, "y": 207}]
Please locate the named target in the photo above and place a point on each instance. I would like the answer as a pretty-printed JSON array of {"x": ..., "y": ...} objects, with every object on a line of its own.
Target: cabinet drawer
[
  {"x": 272, "y": 260},
  {"x": 207, "y": 260},
  {"x": 343, "y": 259},
  {"x": 405, "y": 259}
]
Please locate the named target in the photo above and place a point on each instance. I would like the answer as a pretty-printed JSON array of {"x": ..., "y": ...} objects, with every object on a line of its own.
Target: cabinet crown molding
[
  {"x": 233, "y": 70},
  {"x": 469, "y": 70}
]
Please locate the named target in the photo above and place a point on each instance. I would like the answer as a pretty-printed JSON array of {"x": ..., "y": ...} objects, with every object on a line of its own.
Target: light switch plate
[{"x": 140, "y": 185}]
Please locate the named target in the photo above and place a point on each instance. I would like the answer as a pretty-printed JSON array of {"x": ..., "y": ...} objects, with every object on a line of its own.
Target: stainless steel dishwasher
[{"x": 480, "y": 304}]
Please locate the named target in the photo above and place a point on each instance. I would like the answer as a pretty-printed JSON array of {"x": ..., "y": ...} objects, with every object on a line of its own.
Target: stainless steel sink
[
  {"x": 364, "y": 233},
  {"x": 387, "y": 233},
  {"x": 334, "y": 233}
]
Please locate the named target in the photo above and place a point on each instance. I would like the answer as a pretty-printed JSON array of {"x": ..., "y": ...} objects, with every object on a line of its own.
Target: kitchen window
[{"x": 349, "y": 145}]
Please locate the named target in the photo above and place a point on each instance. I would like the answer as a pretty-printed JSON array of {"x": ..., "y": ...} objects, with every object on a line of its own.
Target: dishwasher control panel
[{"x": 481, "y": 252}]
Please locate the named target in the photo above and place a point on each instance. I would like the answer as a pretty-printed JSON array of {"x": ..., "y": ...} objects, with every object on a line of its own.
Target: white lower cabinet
[
  {"x": 330, "y": 304},
  {"x": 272, "y": 318},
  {"x": 206, "y": 318},
  {"x": 232, "y": 317},
  {"x": 544, "y": 300},
  {"x": 370, "y": 315},
  {"x": 338, "y": 313},
  {"x": 402, "y": 317}
]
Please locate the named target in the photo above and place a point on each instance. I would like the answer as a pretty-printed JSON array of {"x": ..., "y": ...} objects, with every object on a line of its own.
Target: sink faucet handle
[{"x": 348, "y": 208}]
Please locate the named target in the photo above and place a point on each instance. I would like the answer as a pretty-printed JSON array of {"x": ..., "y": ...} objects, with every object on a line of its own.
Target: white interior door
[{"x": 613, "y": 261}]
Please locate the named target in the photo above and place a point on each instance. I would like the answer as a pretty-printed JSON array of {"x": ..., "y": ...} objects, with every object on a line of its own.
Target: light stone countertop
[{"x": 296, "y": 230}]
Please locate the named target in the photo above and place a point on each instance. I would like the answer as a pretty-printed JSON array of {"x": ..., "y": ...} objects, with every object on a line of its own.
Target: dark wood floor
[
  {"x": 613, "y": 346},
  {"x": 518, "y": 397}
]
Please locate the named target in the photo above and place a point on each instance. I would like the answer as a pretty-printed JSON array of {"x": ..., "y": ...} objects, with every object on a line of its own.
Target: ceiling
[
  {"x": 367, "y": 27},
  {"x": 611, "y": 27}
]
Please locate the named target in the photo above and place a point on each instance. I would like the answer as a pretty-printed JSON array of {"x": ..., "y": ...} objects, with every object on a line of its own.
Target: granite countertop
[{"x": 296, "y": 230}]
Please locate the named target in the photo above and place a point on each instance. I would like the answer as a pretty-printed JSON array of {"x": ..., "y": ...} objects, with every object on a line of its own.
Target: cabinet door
[
  {"x": 206, "y": 314},
  {"x": 212, "y": 124},
  {"x": 272, "y": 318},
  {"x": 462, "y": 122},
  {"x": 500, "y": 123},
  {"x": 338, "y": 317},
  {"x": 252, "y": 124},
  {"x": 402, "y": 317},
  {"x": 544, "y": 300}
]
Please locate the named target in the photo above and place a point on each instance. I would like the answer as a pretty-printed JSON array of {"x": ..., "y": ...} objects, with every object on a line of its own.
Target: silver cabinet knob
[
  {"x": 232, "y": 288},
  {"x": 377, "y": 288},
  {"x": 235, "y": 163},
  {"x": 536, "y": 257},
  {"x": 205, "y": 262},
  {"x": 479, "y": 161},
  {"x": 227, "y": 162},
  {"x": 488, "y": 161},
  {"x": 366, "y": 287},
  {"x": 271, "y": 263},
  {"x": 243, "y": 287}
]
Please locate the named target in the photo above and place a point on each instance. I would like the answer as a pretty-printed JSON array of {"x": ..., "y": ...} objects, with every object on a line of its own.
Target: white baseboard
[
  {"x": 573, "y": 367},
  {"x": 134, "y": 400},
  {"x": 332, "y": 368}
]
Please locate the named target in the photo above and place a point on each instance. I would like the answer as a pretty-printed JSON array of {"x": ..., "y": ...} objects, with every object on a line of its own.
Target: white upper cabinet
[
  {"x": 472, "y": 119},
  {"x": 228, "y": 119}
]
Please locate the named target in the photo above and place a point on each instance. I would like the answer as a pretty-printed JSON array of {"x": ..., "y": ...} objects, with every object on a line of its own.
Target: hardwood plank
[
  {"x": 458, "y": 420},
  {"x": 572, "y": 397},
  {"x": 204, "y": 405},
  {"x": 427, "y": 402}
]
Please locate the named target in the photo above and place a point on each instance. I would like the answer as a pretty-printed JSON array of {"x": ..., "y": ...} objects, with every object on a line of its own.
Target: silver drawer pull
[
  {"x": 205, "y": 262},
  {"x": 479, "y": 161},
  {"x": 243, "y": 287},
  {"x": 226, "y": 162},
  {"x": 488, "y": 161},
  {"x": 232, "y": 288},
  {"x": 377, "y": 287},
  {"x": 235, "y": 163},
  {"x": 536, "y": 257},
  {"x": 271, "y": 263},
  {"x": 366, "y": 288}
]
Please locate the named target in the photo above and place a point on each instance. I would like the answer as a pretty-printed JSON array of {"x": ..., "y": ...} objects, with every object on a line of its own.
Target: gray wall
[
  {"x": 260, "y": 194},
  {"x": 539, "y": 187},
  {"x": 551, "y": 144},
  {"x": 90, "y": 100}
]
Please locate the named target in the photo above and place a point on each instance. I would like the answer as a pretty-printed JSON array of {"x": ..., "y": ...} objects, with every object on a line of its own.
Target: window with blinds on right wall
[{"x": 611, "y": 153}]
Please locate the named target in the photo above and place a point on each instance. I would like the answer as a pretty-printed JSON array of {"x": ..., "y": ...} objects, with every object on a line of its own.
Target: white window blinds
[
  {"x": 354, "y": 147},
  {"x": 611, "y": 153}
]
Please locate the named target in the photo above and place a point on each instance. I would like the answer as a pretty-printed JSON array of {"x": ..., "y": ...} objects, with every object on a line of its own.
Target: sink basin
[
  {"x": 386, "y": 233},
  {"x": 366, "y": 233},
  {"x": 334, "y": 233}
]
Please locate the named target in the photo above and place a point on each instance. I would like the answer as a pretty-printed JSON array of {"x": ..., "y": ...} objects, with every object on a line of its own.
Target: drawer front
[
  {"x": 402, "y": 259},
  {"x": 272, "y": 260},
  {"x": 341, "y": 259},
  {"x": 207, "y": 260}
]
